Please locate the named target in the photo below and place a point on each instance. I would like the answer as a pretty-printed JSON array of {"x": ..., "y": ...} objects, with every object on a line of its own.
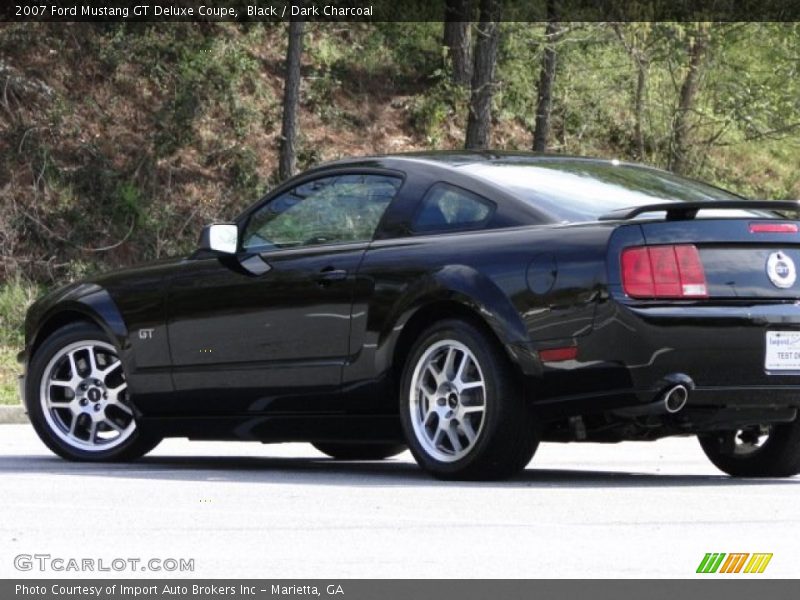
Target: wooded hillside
[{"x": 120, "y": 141}]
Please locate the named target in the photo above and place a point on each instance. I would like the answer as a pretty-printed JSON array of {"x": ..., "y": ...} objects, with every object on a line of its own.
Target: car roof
[
  {"x": 464, "y": 158},
  {"x": 457, "y": 164}
]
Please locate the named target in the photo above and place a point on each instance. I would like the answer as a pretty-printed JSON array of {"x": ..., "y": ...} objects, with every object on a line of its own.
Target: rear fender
[{"x": 466, "y": 287}]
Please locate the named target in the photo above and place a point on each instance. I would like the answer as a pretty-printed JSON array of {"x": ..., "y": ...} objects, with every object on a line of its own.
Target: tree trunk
[
  {"x": 547, "y": 76},
  {"x": 638, "y": 107},
  {"x": 637, "y": 52},
  {"x": 480, "y": 105},
  {"x": 291, "y": 95},
  {"x": 680, "y": 132},
  {"x": 456, "y": 39}
]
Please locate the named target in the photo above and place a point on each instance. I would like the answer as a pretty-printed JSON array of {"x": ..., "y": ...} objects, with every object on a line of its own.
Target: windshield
[{"x": 578, "y": 190}]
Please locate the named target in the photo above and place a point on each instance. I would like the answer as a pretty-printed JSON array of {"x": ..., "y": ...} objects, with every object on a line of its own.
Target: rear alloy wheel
[
  {"x": 757, "y": 451},
  {"x": 340, "y": 451},
  {"x": 462, "y": 412},
  {"x": 78, "y": 400},
  {"x": 448, "y": 404}
]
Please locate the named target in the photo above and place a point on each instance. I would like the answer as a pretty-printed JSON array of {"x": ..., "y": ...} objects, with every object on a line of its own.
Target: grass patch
[
  {"x": 9, "y": 369},
  {"x": 15, "y": 297}
]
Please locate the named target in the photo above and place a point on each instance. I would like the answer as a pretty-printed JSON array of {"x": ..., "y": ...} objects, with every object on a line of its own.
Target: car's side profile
[{"x": 465, "y": 305}]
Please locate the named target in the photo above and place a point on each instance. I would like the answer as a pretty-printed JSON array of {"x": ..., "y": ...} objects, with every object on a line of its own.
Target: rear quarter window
[{"x": 449, "y": 208}]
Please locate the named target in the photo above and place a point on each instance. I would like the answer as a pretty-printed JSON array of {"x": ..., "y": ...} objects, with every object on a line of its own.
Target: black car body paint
[{"x": 309, "y": 346}]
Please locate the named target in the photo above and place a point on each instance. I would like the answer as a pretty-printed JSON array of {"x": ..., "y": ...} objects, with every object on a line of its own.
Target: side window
[
  {"x": 448, "y": 208},
  {"x": 337, "y": 209}
]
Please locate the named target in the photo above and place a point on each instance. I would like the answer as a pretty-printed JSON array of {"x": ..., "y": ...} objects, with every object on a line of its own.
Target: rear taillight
[
  {"x": 663, "y": 272},
  {"x": 773, "y": 228}
]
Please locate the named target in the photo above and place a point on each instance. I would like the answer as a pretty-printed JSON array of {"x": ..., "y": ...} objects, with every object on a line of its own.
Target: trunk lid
[{"x": 738, "y": 262}]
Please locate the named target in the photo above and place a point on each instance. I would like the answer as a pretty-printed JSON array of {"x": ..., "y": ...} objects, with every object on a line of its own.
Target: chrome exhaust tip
[{"x": 675, "y": 398}]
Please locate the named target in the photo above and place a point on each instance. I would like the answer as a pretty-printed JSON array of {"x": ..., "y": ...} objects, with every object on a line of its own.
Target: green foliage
[
  {"x": 242, "y": 169},
  {"x": 108, "y": 152},
  {"x": 519, "y": 56},
  {"x": 430, "y": 112},
  {"x": 15, "y": 297},
  {"x": 129, "y": 205},
  {"x": 9, "y": 369},
  {"x": 154, "y": 129}
]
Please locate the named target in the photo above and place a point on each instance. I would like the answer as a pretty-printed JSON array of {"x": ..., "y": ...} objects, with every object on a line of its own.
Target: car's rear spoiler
[{"x": 679, "y": 211}]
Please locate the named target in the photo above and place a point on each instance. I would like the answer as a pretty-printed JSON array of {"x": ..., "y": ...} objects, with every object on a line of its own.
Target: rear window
[{"x": 576, "y": 191}]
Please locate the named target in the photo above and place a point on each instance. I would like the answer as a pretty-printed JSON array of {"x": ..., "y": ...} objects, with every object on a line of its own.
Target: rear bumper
[{"x": 634, "y": 352}]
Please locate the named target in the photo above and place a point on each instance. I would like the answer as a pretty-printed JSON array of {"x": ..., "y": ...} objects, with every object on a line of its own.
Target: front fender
[
  {"x": 86, "y": 300},
  {"x": 93, "y": 302}
]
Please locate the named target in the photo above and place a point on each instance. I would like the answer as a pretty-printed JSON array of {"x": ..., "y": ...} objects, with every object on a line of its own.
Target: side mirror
[{"x": 220, "y": 237}]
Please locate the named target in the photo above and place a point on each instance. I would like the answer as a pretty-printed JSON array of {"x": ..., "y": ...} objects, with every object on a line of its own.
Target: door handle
[{"x": 330, "y": 274}]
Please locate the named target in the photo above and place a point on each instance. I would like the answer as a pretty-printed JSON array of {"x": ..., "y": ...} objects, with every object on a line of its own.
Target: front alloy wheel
[
  {"x": 462, "y": 407},
  {"x": 83, "y": 395},
  {"x": 78, "y": 400}
]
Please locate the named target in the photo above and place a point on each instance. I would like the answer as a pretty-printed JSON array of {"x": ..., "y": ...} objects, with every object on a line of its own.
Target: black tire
[
  {"x": 137, "y": 444},
  {"x": 505, "y": 440},
  {"x": 777, "y": 456},
  {"x": 340, "y": 451}
]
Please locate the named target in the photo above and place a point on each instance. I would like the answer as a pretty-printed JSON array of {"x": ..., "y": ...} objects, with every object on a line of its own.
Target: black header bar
[{"x": 394, "y": 10}]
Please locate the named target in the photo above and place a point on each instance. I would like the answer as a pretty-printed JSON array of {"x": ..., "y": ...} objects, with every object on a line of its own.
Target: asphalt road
[{"x": 627, "y": 510}]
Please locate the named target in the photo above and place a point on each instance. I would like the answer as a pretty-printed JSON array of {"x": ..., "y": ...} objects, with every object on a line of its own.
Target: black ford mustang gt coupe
[{"x": 465, "y": 305}]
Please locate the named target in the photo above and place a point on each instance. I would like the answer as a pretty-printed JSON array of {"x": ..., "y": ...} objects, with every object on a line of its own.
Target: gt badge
[
  {"x": 781, "y": 270},
  {"x": 147, "y": 334}
]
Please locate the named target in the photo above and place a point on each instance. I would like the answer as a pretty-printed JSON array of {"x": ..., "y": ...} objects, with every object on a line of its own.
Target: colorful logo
[{"x": 737, "y": 562}]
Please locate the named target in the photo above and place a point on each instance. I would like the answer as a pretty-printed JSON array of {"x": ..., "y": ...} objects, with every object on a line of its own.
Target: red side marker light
[{"x": 559, "y": 354}]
